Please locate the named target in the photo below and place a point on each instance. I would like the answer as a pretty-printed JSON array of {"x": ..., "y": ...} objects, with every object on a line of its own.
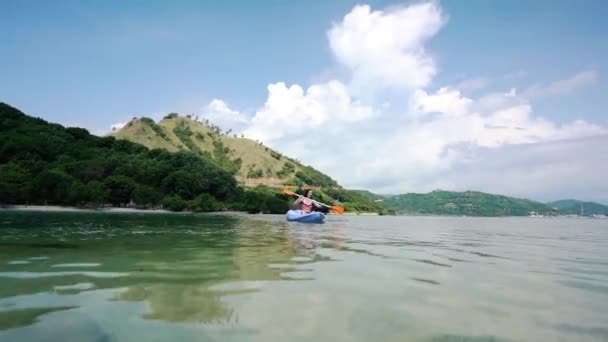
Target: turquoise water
[{"x": 156, "y": 277}]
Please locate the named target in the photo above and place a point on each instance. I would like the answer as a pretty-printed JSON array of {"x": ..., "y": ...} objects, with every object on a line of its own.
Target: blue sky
[
  {"x": 452, "y": 85},
  {"x": 95, "y": 63}
]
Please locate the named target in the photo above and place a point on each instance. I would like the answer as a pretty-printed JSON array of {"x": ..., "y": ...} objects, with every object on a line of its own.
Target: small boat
[{"x": 298, "y": 216}]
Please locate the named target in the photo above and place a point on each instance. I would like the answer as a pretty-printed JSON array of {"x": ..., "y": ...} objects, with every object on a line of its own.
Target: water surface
[{"x": 157, "y": 277}]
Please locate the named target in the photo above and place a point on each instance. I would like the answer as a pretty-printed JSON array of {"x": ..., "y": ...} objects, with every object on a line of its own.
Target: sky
[{"x": 497, "y": 96}]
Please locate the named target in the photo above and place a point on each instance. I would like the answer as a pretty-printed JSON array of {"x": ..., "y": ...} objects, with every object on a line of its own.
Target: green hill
[
  {"x": 249, "y": 161},
  {"x": 252, "y": 163},
  {"x": 576, "y": 207},
  {"x": 371, "y": 195},
  {"x": 45, "y": 163},
  {"x": 470, "y": 203}
]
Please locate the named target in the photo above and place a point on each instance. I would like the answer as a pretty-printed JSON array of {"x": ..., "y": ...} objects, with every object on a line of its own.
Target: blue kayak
[{"x": 298, "y": 216}]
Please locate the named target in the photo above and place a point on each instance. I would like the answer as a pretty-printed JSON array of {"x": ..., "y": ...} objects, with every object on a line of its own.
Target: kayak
[{"x": 298, "y": 216}]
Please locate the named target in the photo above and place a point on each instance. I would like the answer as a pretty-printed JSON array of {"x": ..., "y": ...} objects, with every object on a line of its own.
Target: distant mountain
[
  {"x": 576, "y": 207},
  {"x": 371, "y": 195},
  {"x": 470, "y": 203}
]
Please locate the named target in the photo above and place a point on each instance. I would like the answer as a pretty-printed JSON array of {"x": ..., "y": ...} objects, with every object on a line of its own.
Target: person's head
[{"x": 308, "y": 193}]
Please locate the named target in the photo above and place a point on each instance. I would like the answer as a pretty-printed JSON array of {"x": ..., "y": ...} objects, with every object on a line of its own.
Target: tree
[
  {"x": 53, "y": 186},
  {"x": 174, "y": 203},
  {"x": 120, "y": 189},
  {"x": 205, "y": 203},
  {"x": 146, "y": 196},
  {"x": 78, "y": 193},
  {"x": 97, "y": 192},
  {"x": 14, "y": 183}
]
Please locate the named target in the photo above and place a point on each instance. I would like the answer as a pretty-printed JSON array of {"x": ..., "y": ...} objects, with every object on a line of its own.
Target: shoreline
[
  {"x": 117, "y": 210},
  {"x": 58, "y": 208}
]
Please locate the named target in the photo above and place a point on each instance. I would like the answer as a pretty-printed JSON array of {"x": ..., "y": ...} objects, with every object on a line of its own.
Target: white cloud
[
  {"x": 290, "y": 111},
  {"x": 117, "y": 126},
  {"x": 565, "y": 86},
  {"x": 433, "y": 140},
  {"x": 218, "y": 113},
  {"x": 447, "y": 101},
  {"x": 386, "y": 48}
]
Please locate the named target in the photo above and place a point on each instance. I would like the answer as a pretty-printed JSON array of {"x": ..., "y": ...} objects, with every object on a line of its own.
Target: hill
[
  {"x": 576, "y": 207},
  {"x": 470, "y": 203},
  {"x": 374, "y": 197},
  {"x": 46, "y": 163},
  {"x": 249, "y": 161}
]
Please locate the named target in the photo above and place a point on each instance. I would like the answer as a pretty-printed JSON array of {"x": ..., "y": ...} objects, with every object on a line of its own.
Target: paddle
[{"x": 335, "y": 208}]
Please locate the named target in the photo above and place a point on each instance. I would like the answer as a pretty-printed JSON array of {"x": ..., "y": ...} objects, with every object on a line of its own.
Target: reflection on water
[{"x": 132, "y": 277}]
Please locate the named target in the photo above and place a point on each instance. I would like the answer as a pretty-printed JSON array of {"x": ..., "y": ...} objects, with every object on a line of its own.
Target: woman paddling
[{"x": 306, "y": 202}]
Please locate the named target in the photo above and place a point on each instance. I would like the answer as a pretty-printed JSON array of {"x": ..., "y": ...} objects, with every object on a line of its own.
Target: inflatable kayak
[{"x": 298, "y": 216}]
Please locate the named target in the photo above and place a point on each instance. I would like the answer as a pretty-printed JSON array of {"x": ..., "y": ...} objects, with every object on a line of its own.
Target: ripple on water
[
  {"x": 19, "y": 262},
  {"x": 595, "y": 331},
  {"x": 431, "y": 262},
  {"x": 585, "y": 286},
  {"x": 487, "y": 255},
  {"x": 467, "y": 338},
  {"x": 77, "y": 286},
  {"x": 584, "y": 271},
  {"x": 33, "y": 275},
  {"x": 427, "y": 281},
  {"x": 82, "y": 264}
]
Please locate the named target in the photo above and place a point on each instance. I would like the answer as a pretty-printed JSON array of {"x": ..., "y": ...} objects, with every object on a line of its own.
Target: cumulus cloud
[
  {"x": 387, "y": 47},
  {"x": 447, "y": 101},
  {"x": 291, "y": 110},
  {"x": 435, "y": 139},
  {"x": 219, "y": 113},
  {"x": 119, "y": 125},
  {"x": 564, "y": 86}
]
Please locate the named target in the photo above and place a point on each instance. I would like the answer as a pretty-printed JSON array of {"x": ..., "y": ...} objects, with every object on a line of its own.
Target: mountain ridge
[
  {"x": 251, "y": 162},
  {"x": 578, "y": 207}
]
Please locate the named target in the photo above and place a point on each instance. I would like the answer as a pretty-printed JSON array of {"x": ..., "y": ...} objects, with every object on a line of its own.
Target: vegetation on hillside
[
  {"x": 244, "y": 158},
  {"x": 575, "y": 207},
  {"x": 44, "y": 163},
  {"x": 469, "y": 203},
  {"x": 249, "y": 161},
  {"x": 371, "y": 195}
]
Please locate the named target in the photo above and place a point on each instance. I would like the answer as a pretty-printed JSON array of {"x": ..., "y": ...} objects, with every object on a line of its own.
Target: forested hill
[
  {"x": 45, "y": 163},
  {"x": 470, "y": 203},
  {"x": 576, "y": 207},
  {"x": 249, "y": 161}
]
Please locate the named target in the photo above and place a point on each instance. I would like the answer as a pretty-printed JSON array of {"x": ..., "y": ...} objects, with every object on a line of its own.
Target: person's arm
[{"x": 298, "y": 200}]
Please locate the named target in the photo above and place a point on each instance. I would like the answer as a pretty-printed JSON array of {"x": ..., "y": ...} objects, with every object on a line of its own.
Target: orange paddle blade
[
  {"x": 337, "y": 209},
  {"x": 288, "y": 192}
]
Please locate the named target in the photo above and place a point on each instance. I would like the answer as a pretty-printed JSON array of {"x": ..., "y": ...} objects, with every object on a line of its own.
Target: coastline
[{"x": 57, "y": 208}]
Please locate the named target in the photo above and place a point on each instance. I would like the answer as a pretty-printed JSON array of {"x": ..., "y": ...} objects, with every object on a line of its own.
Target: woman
[{"x": 306, "y": 202}]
